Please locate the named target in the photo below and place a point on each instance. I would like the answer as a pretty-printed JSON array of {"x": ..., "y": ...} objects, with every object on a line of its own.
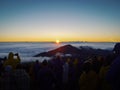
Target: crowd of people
[{"x": 62, "y": 73}]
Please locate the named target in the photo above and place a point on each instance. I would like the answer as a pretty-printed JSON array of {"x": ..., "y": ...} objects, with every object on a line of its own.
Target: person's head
[
  {"x": 87, "y": 67},
  {"x": 44, "y": 63},
  {"x": 10, "y": 56},
  {"x": 117, "y": 49},
  {"x": 37, "y": 61}
]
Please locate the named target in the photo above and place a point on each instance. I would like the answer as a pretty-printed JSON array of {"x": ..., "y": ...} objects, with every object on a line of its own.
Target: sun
[{"x": 57, "y": 41}]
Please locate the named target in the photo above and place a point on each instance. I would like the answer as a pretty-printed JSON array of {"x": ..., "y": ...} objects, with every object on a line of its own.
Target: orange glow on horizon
[{"x": 57, "y": 41}]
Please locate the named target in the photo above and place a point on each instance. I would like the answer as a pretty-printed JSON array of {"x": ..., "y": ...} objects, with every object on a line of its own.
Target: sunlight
[{"x": 57, "y": 41}]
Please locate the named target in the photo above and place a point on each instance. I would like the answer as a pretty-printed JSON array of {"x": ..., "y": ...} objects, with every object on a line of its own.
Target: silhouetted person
[
  {"x": 89, "y": 78},
  {"x": 1, "y": 67},
  {"x": 65, "y": 74},
  {"x": 36, "y": 68},
  {"x": 97, "y": 63},
  {"x": 103, "y": 84},
  {"x": 11, "y": 61},
  {"x": 7, "y": 79},
  {"x": 45, "y": 77},
  {"x": 72, "y": 76},
  {"x": 21, "y": 78},
  {"x": 113, "y": 75},
  {"x": 58, "y": 70}
]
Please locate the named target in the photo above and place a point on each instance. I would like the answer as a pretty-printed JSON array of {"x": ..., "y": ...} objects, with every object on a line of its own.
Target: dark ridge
[
  {"x": 67, "y": 49},
  {"x": 77, "y": 52}
]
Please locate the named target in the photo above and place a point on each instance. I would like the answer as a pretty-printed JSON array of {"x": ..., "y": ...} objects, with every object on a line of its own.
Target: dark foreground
[{"x": 95, "y": 72}]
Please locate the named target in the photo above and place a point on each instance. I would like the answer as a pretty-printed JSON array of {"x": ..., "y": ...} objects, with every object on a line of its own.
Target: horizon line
[{"x": 60, "y": 41}]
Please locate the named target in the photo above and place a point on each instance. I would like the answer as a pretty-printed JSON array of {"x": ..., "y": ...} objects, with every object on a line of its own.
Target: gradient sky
[{"x": 65, "y": 20}]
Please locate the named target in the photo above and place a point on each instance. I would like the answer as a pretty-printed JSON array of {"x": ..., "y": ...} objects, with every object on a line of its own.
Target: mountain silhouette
[
  {"x": 82, "y": 51},
  {"x": 67, "y": 49}
]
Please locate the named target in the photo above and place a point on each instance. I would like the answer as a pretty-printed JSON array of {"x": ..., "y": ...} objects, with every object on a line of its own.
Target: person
[
  {"x": 97, "y": 63},
  {"x": 7, "y": 79},
  {"x": 113, "y": 74},
  {"x": 89, "y": 78},
  {"x": 58, "y": 71},
  {"x": 45, "y": 77},
  {"x": 1, "y": 67},
  {"x": 103, "y": 84},
  {"x": 21, "y": 78},
  {"x": 71, "y": 76},
  {"x": 36, "y": 68},
  {"x": 65, "y": 74},
  {"x": 11, "y": 61}
]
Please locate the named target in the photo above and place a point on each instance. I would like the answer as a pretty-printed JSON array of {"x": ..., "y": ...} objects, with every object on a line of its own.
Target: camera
[{"x": 16, "y": 54}]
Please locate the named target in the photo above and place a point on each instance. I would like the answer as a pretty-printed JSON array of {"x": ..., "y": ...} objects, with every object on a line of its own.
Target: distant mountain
[
  {"x": 67, "y": 49},
  {"x": 81, "y": 52}
]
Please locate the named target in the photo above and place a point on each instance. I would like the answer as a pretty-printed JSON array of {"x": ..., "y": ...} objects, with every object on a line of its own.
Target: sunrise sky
[{"x": 63, "y": 20}]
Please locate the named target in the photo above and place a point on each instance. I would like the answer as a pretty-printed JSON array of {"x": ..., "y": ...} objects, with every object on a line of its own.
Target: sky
[{"x": 64, "y": 20}]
